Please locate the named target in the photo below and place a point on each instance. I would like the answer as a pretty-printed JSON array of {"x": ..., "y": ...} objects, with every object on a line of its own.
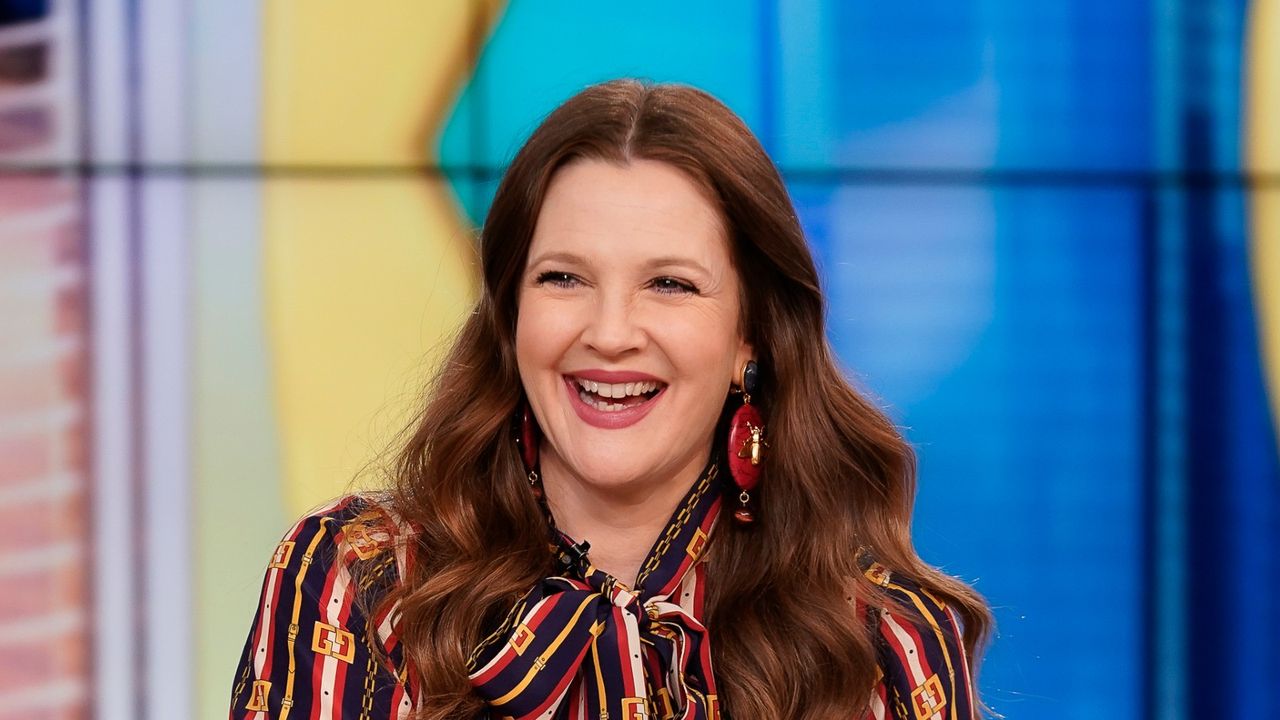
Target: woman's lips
[{"x": 609, "y": 419}]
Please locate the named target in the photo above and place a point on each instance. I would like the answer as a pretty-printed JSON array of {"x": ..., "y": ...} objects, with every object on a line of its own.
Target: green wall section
[{"x": 238, "y": 490}]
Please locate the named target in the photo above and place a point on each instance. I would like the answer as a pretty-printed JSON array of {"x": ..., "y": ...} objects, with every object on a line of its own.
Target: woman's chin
[
  {"x": 609, "y": 475},
  {"x": 612, "y": 477}
]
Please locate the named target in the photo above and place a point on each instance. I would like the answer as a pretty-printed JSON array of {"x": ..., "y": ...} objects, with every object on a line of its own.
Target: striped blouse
[{"x": 578, "y": 645}]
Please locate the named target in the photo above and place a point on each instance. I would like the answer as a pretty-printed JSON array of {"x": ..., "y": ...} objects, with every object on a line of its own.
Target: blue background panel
[{"x": 1013, "y": 359}]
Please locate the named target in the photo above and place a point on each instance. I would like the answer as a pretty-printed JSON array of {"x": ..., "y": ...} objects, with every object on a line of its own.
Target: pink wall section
[
  {"x": 45, "y": 555},
  {"x": 44, "y": 513}
]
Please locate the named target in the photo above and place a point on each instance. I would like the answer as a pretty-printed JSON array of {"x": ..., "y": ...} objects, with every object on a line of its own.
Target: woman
[{"x": 641, "y": 487}]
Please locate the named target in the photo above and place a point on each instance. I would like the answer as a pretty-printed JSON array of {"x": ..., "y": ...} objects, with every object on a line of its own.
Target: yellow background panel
[
  {"x": 362, "y": 275},
  {"x": 1262, "y": 143},
  {"x": 364, "y": 83}
]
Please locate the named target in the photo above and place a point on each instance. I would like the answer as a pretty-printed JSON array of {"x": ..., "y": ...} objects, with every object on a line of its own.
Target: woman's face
[{"x": 627, "y": 337}]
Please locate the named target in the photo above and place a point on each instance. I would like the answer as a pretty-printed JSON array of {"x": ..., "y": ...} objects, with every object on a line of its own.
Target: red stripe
[
  {"x": 882, "y": 692},
  {"x": 654, "y": 669},
  {"x": 407, "y": 570},
  {"x": 504, "y": 659},
  {"x": 306, "y": 635},
  {"x": 699, "y": 591},
  {"x": 340, "y": 677},
  {"x": 624, "y": 653},
  {"x": 964, "y": 657},
  {"x": 509, "y": 653},
  {"x": 710, "y": 679},
  {"x": 392, "y": 638},
  {"x": 317, "y": 669},
  {"x": 891, "y": 638},
  {"x": 674, "y": 583},
  {"x": 339, "y": 686},
  {"x": 415, "y": 689},
  {"x": 397, "y": 697},
  {"x": 914, "y": 633},
  {"x": 699, "y": 600},
  {"x": 577, "y": 709},
  {"x": 560, "y": 685},
  {"x": 269, "y": 616},
  {"x": 707, "y": 522}
]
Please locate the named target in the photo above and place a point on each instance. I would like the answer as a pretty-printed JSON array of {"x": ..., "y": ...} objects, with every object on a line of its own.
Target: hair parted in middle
[{"x": 839, "y": 475}]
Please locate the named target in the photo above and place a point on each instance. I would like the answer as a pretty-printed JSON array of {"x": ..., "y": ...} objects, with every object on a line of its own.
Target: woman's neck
[{"x": 621, "y": 527}]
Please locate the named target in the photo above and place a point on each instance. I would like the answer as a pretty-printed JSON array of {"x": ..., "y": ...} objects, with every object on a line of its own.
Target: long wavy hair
[{"x": 839, "y": 476}]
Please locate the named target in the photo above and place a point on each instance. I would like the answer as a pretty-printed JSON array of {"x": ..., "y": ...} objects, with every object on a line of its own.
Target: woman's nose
[{"x": 612, "y": 328}]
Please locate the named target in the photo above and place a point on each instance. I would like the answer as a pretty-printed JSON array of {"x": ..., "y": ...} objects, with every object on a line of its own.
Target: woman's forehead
[{"x": 645, "y": 210}]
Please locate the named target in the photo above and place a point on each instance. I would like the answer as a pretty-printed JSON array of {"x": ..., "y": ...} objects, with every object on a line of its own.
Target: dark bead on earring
[{"x": 751, "y": 377}]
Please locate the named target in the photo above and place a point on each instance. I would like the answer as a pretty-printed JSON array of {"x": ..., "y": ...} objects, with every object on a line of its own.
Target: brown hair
[{"x": 839, "y": 475}]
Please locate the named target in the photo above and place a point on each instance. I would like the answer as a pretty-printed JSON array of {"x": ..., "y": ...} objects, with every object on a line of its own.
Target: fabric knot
[
  {"x": 651, "y": 611},
  {"x": 584, "y": 640}
]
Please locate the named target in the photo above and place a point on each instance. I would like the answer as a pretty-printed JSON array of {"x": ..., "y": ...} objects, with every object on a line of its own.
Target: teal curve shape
[{"x": 541, "y": 53}]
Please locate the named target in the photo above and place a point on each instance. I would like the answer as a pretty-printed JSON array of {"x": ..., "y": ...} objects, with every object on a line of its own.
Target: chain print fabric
[
  {"x": 310, "y": 651},
  {"x": 579, "y": 644}
]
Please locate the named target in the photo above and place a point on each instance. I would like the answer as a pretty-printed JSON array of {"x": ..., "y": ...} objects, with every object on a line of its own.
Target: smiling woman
[
  {"x": 649, "y": 346},
  {"x": 629, "y": 281}
]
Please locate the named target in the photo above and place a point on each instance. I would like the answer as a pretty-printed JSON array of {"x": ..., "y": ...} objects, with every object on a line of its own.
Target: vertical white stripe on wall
[
  {"x": 162, "y": 63},
  {"x": 235, "y": 468},
  {"x": 115, "y": 650}
]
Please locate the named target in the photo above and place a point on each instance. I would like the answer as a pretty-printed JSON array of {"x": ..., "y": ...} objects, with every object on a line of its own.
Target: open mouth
[{"x": 615, "y": 397}]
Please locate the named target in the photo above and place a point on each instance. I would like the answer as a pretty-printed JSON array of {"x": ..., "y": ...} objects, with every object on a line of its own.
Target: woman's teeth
[
  {"x": 616, "y": 390},
  {"x": 598, "y": 394}
]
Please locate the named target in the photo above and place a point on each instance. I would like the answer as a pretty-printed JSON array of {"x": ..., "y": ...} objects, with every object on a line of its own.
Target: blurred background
[{"x": 235, "y": 235}]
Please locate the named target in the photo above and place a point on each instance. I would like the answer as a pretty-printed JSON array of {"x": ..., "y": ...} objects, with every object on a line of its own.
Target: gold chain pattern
[
  {"x": 244, "y": 678},
  {"x": 676, "y": 525},
  {"x": 370, "y": 673}
]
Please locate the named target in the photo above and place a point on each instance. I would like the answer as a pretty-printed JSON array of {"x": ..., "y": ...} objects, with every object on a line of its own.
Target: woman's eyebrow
[
  {"x": 669, "y": 261},
  {"x": 664, "y": 261},
  {"x": 561, "y": 256}
]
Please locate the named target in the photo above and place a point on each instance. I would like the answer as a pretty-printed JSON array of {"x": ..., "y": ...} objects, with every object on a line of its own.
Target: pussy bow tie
[{"x": 581, "y": 645}]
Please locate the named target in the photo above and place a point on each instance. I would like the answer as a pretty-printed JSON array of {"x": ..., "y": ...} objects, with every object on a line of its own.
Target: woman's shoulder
[
  {"x": 921, "y": 648},
  {"x": 369, "y": 508},
  {"x": 322, "y": 609},
  {"x": 352, "y": 532},
  {"x": 904, "y": 592}
]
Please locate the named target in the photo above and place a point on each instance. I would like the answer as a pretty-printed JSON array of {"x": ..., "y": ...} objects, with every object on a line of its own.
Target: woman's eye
[
  {"x": 557, "y": 278},
  {"x": 672, "y": 286}
]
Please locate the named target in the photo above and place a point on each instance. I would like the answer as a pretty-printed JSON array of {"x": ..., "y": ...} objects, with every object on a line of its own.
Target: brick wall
[{"x": 44, "y": 395}]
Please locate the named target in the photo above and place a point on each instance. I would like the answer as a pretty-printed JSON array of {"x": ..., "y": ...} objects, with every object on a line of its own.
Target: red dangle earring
[
  {"x": 527, "y": 443},
  {"x": 746, "y": 443}
]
